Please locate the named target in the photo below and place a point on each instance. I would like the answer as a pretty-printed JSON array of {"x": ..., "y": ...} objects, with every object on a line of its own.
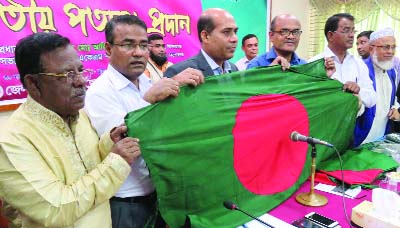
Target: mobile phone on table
[{"x": 322, "y": 220}]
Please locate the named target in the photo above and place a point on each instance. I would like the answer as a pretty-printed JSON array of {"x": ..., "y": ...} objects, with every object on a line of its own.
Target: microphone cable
[{"x": 343, "y": 188}]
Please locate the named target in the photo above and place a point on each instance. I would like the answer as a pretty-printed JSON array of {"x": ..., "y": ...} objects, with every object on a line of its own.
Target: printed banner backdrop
[
  {"x": 228, "y": 139},
  {"x": 84, "y": 22}
]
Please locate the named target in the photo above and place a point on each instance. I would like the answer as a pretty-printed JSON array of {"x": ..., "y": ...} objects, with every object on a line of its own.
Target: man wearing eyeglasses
[
  {"x": 123, "y": 88},
  {"x": 350, "y": 70},
  {"x": 158, "y": 62},
  {"x": 374, "y": 122},
  {"x": 285, "y": 36},
  {"x": 54, "y": 169}
]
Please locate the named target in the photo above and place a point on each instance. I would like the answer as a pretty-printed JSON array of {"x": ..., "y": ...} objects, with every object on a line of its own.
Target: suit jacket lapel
[{"x": 203, "y": 65}]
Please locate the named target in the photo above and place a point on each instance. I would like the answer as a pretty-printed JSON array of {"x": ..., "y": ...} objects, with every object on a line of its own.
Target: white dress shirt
[
  {"x": 108, "y": 100},
  {"x": 354, "y": 70},
  {"x": 242, "y": 63}
]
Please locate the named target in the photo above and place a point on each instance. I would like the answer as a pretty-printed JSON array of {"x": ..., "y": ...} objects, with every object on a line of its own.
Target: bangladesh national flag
[{"x": 228, "y": 139}]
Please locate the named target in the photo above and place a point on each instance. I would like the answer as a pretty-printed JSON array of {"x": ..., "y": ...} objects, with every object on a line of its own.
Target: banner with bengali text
[{"x": 84, "y": 22}]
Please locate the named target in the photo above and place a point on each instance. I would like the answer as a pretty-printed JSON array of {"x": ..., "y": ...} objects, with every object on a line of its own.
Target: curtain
[{"x": 369, "y": 15}]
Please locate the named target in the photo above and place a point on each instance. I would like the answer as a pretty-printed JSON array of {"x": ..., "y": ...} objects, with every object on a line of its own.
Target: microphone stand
[{"x": 311, "y": 198}]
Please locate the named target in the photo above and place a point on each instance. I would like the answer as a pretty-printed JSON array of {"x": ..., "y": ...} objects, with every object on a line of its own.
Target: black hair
[
  {"x": 155, "y": 36},
  {"x": 29, "y": 50},
  {"x": 365, "y": 33},
  {"x": 246, "y": 37},
  {"x": 205, "y": 23},
  {"x": 332, "y": 23},
  {"x": 122, "y": 19}
]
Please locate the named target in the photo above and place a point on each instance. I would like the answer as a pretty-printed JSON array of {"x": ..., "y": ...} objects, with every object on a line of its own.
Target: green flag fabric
[
  {"x": 361, "y": 166},
  {"x": 229, "y": 139},
  {"x": 360, "y": 159}
]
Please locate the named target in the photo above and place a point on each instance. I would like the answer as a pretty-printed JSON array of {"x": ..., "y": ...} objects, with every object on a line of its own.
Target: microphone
[
  {"x": 295, "y": 136},
  {"x": 231, "y": 206}
]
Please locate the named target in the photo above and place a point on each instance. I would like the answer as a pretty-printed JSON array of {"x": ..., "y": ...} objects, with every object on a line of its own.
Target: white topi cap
[{"x": 381, "y": 33}]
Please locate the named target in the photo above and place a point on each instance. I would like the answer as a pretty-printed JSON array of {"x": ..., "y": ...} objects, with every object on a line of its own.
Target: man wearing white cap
[{"x": 374, "y": 124}]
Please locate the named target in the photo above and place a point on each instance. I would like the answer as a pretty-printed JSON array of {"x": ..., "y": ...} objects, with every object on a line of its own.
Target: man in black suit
[{"x": 217, "y": 33}]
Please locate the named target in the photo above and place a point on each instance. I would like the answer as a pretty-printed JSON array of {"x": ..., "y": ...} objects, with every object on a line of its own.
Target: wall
[
  {"x": 300, "y": 9},
  {"x": 249, "y": 16}
]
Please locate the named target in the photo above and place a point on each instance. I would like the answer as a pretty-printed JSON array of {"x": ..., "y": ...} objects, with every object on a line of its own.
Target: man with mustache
[
  {"x": 54, "y": 169},
  {"x": 217, "y": 34},
  {"x": 123, "y": 88},
  {"x": 158, "y": 62},
  {"x": 374, "y": 123},
  {"x": 350, "y": 70},
  {"x": 250, "y": 49},
  {"x": 285, "y": 36}
]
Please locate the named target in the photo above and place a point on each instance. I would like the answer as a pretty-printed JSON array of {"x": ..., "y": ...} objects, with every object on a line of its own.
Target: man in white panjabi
[{"x": 374, "y": 123}]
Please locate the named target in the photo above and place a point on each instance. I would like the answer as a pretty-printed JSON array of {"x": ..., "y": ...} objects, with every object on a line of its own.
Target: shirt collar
[
  {"x": 271, "y": 55},
  {"x": 47, "y": 115},
  {"x": 378, "y": 69},
  {"x": 245, "y": 59},
  {"x": 214, "y": 66},
  {"x": 329, "y": 53},
  {"x": 120, "y": 81}
]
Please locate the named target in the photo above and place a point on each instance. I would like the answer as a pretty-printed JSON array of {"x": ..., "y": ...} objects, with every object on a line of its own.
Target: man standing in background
[
  {"x": 363, "y": 44},
  {"x": 157, "y": 62},
  {"x": 250, "y": 49}
]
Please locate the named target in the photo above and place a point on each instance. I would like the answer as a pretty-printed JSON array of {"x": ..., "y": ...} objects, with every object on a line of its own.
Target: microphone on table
[
  {"x": 295, "y": 136},
  {"x": 231, "y": 206}
]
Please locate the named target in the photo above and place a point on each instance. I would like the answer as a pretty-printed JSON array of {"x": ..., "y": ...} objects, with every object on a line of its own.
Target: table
[{"x": 290, "y": 210}]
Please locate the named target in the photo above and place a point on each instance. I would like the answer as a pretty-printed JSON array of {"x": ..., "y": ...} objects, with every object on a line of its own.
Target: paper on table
[
  {"x": 269, "y": 219},
  {"x": 349, "y": 193}
]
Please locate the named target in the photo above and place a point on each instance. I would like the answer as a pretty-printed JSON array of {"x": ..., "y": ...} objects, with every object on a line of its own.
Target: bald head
[
  {"x": 283, "y": 19},
  {"x": 216, "y": 12},
  {"x": 285, "y": 35},
  {"x": 209, "y": 18},
  {"x": 217, "y": 33}
]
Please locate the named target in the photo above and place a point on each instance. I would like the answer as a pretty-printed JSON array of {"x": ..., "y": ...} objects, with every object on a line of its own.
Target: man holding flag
[
  {"x": 350, "y": 70},
  {"x": 374, "y": 122},
  {"x": 123, "y": 88},
  {"x": 217, "y": 33}
]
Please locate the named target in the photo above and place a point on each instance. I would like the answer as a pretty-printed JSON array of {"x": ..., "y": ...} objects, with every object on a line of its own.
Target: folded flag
[{"x": 360, "y": 165}]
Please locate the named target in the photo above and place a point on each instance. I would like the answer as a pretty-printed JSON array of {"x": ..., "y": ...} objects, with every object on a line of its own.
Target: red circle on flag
[{"x": 265, "y": 159}]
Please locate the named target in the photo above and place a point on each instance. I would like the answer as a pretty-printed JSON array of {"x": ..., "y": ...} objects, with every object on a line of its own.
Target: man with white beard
[{"x": 374, "y": 123}]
